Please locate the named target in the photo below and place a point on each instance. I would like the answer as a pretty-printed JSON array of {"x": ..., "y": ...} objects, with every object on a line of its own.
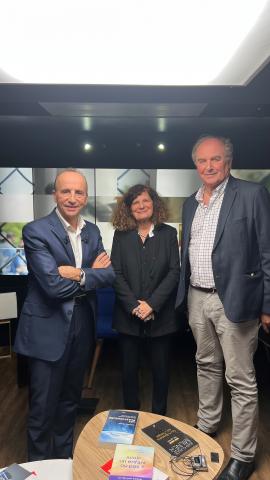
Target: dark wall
[
  {"x": 34, "y": 132},
  {"x": 55, "y": 144}
]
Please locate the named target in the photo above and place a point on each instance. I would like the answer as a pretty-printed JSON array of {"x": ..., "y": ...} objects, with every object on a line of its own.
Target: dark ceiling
[{"x": 46, "y": 125}]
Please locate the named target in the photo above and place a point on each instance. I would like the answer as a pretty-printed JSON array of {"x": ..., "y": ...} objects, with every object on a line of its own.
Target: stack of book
[{"x": 135, "y": 461}]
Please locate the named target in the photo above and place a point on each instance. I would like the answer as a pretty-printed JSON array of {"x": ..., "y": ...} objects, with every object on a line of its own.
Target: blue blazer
[
  {"x": 241, "y": 251},
  {"x": 47, "y": 311}
]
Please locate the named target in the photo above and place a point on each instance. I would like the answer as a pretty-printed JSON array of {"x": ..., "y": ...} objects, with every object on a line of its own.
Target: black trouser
[
  {"x": 159, "y": 352},
  {"x": 55, "y": 391}
]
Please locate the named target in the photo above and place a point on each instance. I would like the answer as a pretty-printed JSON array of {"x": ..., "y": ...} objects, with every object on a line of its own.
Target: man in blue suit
[
  {"x": 66, "y": 263},
  {"x": 225, "y": 277}
]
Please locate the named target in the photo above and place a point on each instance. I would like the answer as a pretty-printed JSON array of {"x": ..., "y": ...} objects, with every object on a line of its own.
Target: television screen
[
  {"x": 12, "y": 257},
  {"x": 26, "y": 194}
]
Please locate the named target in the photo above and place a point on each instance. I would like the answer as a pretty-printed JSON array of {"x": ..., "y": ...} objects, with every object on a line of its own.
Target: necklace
[
  {"x": 142, "y": 236},
  {"x": 144, "y": 233}
]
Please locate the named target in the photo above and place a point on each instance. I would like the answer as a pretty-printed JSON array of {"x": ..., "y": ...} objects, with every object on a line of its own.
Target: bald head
[
  {"x": 70, "y": 195},
  {"x": 64, "y": 174}
]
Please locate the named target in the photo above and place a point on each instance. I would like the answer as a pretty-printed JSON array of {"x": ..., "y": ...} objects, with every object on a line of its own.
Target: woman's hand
[{"x": 143, "y": 311}]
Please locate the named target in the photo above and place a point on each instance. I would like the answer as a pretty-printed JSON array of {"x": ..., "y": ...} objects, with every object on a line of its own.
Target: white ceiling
[{"x": 134, "y": 42}]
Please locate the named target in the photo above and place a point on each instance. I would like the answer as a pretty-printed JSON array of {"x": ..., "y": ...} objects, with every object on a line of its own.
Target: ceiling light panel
[
  {"x": 133, "y": 42},
  {"x": 78, "y": 109}
]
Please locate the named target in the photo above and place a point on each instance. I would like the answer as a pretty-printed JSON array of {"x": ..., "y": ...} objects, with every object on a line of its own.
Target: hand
[
  {"x": 143, "y": 311},
  {"x": 136, "y": 311},
  {"x": 102, "y": 261},
  {"x": 265, "y": 319},
  {"x": 72, "y": 273}
]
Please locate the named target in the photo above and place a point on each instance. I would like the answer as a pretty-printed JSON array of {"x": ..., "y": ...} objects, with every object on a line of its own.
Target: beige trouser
[{"x": 218, "y": 338}]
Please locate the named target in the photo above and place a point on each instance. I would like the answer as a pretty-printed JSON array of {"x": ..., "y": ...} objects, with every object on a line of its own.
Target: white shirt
[
  {"x": 75, "y": 239},
  {"x": 202, "y": 237}
]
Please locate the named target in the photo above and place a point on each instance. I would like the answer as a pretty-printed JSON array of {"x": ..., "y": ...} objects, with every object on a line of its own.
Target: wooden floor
[{"x": 182, "y": 402}]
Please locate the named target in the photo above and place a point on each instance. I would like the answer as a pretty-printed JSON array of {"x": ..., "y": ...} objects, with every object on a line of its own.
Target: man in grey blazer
[
  {"x": 225, "y": 278},
  {"x": 66, "y": 263}
]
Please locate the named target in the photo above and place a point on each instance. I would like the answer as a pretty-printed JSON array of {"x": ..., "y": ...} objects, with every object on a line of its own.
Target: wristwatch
[{"x": 82, "y": 274}]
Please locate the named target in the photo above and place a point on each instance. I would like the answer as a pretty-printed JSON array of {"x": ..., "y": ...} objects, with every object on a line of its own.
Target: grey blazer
[{"x": 241, "y": 251}]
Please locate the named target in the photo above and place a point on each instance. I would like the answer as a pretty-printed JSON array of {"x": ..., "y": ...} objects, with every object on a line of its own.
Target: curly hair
[{"x": 123, "y": 219}]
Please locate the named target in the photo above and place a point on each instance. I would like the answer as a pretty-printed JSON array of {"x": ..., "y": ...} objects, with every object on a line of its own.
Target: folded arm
[
  {"x": 42, "y": 265},
  {"x": 63, "y": 282},
  {"x": 102, "y": 278}
]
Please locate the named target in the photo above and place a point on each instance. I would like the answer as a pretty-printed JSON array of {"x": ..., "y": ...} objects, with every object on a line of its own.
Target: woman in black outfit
[{"x": 145, "y": 257}]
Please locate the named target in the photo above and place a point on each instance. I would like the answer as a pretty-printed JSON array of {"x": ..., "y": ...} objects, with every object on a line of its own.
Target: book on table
[
  {"x": 175, "y": 442},
  {"x": 132, "y": 462},
  {"x": 15, "y": 472},
  {"x": 157, "y": 473},
  {"x": 119, "y": 427}
]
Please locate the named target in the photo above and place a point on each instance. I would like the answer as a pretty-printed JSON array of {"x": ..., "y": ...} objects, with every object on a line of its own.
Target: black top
[
  {"x": 146, "y": 252},
  {"x": 149, "y": 272}
]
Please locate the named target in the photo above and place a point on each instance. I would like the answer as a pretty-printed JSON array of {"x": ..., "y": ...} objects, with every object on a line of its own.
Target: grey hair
[
  {"x": 69, "y": 170},
  {"x": 228, "y": 146}
]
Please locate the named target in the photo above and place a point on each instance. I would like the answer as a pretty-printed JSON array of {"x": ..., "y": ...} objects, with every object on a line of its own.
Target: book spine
[{"x": 128, "y": 477}]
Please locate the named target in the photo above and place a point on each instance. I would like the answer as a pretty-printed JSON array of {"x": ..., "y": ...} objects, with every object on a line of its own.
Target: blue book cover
[{"x": 119, "y": 427}]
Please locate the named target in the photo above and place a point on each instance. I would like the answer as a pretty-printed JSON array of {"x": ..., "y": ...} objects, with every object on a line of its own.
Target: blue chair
[{"x": 105, "y": 303}]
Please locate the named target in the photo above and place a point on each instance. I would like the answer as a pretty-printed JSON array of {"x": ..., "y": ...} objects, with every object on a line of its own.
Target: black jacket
[{"x": 164, "y": 268}]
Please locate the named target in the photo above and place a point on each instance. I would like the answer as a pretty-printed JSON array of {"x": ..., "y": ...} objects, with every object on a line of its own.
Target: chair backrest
[
  {"x": 8, "y": 305},
  {"x": 105, "y": 301}
]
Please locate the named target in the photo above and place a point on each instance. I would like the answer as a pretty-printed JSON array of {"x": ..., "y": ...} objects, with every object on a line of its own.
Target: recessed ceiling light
[
  {"x": 87, "y": 147},
  {"x": 161, "y": 147}
]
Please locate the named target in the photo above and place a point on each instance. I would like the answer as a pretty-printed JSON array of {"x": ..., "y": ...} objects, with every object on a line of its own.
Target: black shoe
[
  {"x": 210, "y": 434},
  {"x": 237, "y": 470}
]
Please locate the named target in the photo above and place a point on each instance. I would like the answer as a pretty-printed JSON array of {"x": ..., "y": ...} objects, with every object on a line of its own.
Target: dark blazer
[
  {"x": 47, "y": 311},
  {"x": 241, "y": 251},
  {"x": 164, "y": 273}
]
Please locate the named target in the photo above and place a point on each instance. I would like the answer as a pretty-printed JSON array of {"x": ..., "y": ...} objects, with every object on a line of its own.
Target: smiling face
[
  {"x": 211, "y": 163},
  {"x": 70, "y": 195},
  {"x": 142, "y": 207}
]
